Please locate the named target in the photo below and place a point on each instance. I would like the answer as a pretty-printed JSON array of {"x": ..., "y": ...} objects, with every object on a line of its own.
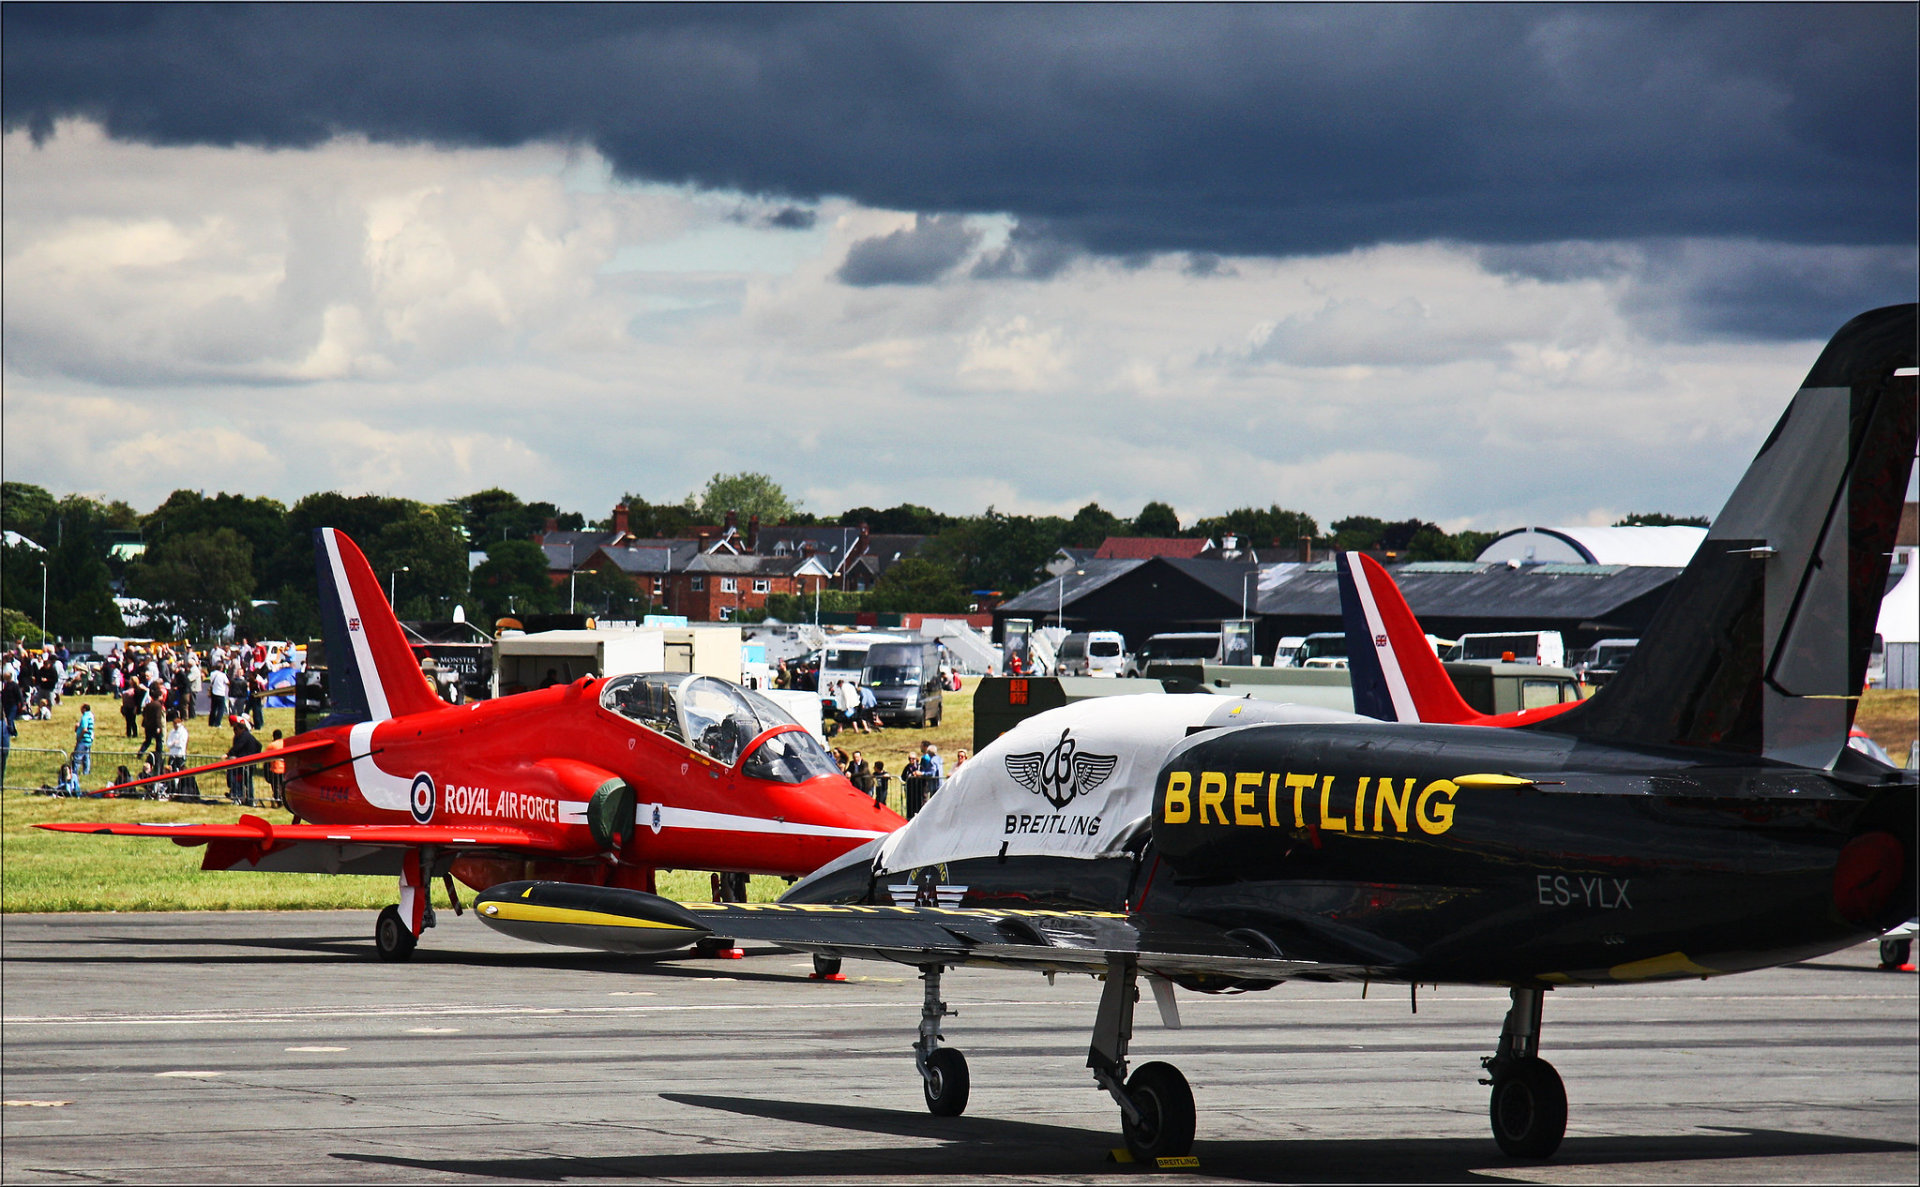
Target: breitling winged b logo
[{"x": 1062, "y": 773}]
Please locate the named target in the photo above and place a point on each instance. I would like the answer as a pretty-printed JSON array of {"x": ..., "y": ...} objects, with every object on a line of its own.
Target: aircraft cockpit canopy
[{"x": 718, "y": 719}]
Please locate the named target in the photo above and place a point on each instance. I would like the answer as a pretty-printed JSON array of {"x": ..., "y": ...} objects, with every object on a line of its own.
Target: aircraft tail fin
[
  {"x": 371, "y": 672},
  {"x": 1763, "y": 643},
  {"x": 1396, "y": 675}
]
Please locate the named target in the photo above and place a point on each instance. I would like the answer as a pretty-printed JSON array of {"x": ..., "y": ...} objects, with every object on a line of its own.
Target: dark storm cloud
[
  {"x": 1123, "y": 130},
  {"x": 926, "y": 251}
]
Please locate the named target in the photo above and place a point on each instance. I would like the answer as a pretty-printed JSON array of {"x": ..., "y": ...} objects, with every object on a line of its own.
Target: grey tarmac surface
[{"x": 263, "y": 1047}]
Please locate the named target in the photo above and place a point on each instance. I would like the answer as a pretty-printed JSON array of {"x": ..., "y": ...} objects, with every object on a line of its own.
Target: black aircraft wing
[{"x": 577, "y": 916}]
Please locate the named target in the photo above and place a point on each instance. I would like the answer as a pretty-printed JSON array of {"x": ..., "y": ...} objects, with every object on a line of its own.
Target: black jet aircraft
[{"x": 1701, "y": 815}]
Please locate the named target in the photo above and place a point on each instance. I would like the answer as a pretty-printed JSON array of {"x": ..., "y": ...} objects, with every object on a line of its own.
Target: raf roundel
[{"x": 422, "y": 799}]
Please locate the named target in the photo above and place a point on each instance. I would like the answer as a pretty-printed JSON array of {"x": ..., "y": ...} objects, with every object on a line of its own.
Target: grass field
[{"x": 43, "y": 871}]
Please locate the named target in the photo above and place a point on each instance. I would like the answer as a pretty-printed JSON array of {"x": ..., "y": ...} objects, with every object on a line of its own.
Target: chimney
[
  {"x": 553, "y": 525},
  {"x": 753, "y": 534},
  {"x": 733, "y": 519},
  {"x": 1306, "y": 550},
  {"x": 620, "y": 519},
  {"x": 706, "y": 538}
]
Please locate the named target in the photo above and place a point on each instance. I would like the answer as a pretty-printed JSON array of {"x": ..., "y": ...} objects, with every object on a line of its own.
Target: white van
[
  {"x": 1106, "y": 653},
  {"x": 1527, "y": 647},
  {"x": 845, "y": 656}
]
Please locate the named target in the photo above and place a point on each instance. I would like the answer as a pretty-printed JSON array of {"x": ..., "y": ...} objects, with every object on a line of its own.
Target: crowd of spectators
[
  {"x": 922, "y": 773},
  {"x": 158, "y": 689}
]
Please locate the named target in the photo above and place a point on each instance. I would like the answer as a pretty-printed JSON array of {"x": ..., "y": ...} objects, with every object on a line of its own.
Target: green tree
[
  {"x": 1092, "y": 524},
  {"x": 202, "y": 579},
  {"x": 995, "y": 551},
  {"x": 513, "y": 580},
  {"x": 748, "y": 494},
  {"x": 917, "y": 584},
  {"x": 608, "y": 593},
  {"x": 81, "y": 581},
  {"x": 426, "y": 559},
  {"x": 1273, "y": 527},
  {"x": 1660, "y": 519},
  {"x": 25, "y": 508},
  {"x": 906, "y": 519},
  {"x": 262, "y": 523},
  {"x": 652, "y": 520},
  {"x": 1156, "y": 519},
  {"x": 16, "y": 627},
  {"x": 495, "y": 514}
]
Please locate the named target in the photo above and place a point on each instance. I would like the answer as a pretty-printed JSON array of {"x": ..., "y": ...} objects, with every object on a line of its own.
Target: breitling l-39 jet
[
  {"x": 1700, "y": 815},
  {"x": 601, "y": 781}
]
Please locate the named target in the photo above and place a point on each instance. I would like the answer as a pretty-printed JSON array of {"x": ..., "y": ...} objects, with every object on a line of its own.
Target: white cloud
[{"x": 427, "y": 322}]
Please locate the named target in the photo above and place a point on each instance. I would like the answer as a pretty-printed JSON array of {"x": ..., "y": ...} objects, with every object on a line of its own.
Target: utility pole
[
  {"x": 390, "y": 580},
  {"x": 43, "y": 603}
]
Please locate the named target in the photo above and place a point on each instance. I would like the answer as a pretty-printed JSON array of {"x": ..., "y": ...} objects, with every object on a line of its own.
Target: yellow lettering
[
  {"x": 1273, "y": 800},
  {"x": 1360, "y": 804},
  {"x": 1300, "y": 784},
  {"x": 1336, "y": 824},
  {"x": 1436, "y": 818},
  {"x": 1396, "y": 805},
  {"x": 1244, "y": 786},
  {"x": 1179, "y": 808},
  {"x": 1213, "y": 799}
]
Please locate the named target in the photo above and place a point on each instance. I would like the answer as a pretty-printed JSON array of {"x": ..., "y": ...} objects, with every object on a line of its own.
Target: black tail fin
[{"x": 1764, "y": 640}]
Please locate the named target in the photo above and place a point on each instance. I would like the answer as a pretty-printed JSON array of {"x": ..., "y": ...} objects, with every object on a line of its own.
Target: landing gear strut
[
  {"x": 1156, "y": 1105},
  {"x": 397, "y": 932},
  {"x": 1528, "y": 1106},
  {"x": 943, "y": 1070}
]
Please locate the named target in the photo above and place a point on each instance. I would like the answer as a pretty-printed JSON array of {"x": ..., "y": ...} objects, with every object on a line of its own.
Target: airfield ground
[{"x": 262, "y": 1047}]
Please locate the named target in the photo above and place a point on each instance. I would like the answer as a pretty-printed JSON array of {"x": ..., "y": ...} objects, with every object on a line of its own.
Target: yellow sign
[{"x": 1255, "y": 799}]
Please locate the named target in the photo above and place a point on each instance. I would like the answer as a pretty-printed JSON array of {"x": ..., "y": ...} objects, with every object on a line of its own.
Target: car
[{"x": 1602, "y": 661}]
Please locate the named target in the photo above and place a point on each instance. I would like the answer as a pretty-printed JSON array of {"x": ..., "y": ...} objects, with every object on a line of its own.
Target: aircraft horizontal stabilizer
[
  {"x": 253, "y": 828},
  {"x": 576, "y": 916},
  {"x": 228, "y": 764}
]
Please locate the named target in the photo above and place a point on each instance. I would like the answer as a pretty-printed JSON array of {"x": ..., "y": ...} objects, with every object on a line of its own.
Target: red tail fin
[
  {"x": 371, "y": 672},
  {"x": 1396, "y": 675}
]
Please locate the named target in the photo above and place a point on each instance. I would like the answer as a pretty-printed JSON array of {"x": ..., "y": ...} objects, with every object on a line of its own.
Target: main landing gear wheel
[
  {"x": 1528, "y": 1108},
  {"x": 826, "y": 966},
  {"x": 1165, "y": 1127},
  {"x": 946, "y": 1082},
  {"x": 392, "y": 938},
  {"x": 1894, "y": 953}
]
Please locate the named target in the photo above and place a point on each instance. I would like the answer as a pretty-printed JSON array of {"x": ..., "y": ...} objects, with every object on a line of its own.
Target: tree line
[{"x": 213, "y": 559}]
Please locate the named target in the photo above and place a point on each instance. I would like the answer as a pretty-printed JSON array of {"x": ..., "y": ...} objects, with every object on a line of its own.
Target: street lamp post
[
  {"x": 1060, "y": 609},
  {"x": 391, "y": 578},
  {"x": 570, "y": 579},
  {"x": 43, "y": 603}
]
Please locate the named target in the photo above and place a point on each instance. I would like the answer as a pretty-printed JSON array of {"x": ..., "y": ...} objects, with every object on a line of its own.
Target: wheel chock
[
  {"x": 826, "y": 976},
  {"x": 1120, "y": 1155},
  {"x": 730, "y": 954}
]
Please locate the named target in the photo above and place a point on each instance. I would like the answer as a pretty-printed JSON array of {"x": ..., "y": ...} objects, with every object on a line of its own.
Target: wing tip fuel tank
[{"x": 570, "y": 915}]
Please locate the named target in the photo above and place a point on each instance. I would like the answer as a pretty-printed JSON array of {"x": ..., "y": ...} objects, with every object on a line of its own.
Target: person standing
[
  {"x": 177, "y": 754},
  {"x": 880, "y": 782},
  {"x": 153, "y": 710},
  {"x": 257, "y": 696},
  {"x": 931, "y": 767},
  {"x": 859, "y": 774},
  {"x": 130, "y": 706},
  {"x": 216, "y": 693},
  {"x": 277, "y": 770},
  {"x": 245, "y": 745},
  {"x": 83, "y": 742}
]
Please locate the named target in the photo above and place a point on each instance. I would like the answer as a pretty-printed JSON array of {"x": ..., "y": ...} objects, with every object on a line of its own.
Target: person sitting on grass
[{"x": 68, "y": 783}]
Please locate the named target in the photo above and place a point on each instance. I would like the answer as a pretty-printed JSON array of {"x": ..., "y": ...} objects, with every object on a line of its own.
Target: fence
[{"x": 32, "y": 769}]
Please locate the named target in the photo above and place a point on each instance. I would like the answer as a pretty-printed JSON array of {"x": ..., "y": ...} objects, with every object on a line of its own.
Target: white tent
[{"x": 1899, "y": 627}]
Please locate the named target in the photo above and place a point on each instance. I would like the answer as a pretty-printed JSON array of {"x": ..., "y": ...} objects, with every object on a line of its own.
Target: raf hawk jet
[
  {"x": 1701, "y": 815},
  {"x": 600, "y": 781}
]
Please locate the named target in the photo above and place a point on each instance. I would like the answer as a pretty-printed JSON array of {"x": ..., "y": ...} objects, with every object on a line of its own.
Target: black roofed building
[{"x": 1140, "y": 598}]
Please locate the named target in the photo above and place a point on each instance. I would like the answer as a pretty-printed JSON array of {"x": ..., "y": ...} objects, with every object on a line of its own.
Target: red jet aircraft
[{"x": 601, "y": 781}]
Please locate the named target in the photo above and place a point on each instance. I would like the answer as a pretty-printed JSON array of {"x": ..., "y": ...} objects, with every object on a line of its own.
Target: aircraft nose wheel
[
  {"x": 1528, "y": 1108},
  {"x": 946, "y": 1082},
  {"x": 1165, "y": 1103},
  {"x": 392, "y": 938}
]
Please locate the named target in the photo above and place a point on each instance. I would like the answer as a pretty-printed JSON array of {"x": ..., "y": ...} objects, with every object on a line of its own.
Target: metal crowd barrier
[{"x": 36, "y": 770}]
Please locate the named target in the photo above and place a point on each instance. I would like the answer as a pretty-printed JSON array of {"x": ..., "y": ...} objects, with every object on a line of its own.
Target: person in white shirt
[{"x": 217, "y": 696}]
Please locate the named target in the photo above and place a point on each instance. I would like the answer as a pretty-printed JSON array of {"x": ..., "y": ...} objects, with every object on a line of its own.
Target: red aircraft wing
[{"x": 227, "y": 764}]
